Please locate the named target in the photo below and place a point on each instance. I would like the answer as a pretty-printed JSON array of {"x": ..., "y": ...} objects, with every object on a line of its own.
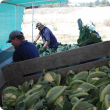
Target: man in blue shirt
[
  {"x": 47, "y": 36},
  {"x": 24, "y": 50}
]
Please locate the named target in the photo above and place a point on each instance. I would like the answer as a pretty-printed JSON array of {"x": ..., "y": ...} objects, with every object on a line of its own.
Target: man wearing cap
[
  {"x": 47, "y": 36},
  {"x": 24, "y": 50}
]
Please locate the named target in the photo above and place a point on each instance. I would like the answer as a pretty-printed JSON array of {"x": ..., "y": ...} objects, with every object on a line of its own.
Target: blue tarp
[
  {"x": 8, "y": 18},
  {"x": 12, "y": 11}
]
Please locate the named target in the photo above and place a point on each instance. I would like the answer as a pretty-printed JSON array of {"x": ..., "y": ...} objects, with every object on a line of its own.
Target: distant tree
[
  {"x": 107, "y": 3},
  {"x": 90, "y": 4},
  {"x": 83, "y": 4},
  {"x": 103, "y": 2},
  {"x": 55, "y": 5},
  {"x": 97, "y": 3}
]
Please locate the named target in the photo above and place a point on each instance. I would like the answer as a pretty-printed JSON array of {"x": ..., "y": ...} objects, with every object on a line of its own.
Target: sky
[{"x": 84, "y": 0}]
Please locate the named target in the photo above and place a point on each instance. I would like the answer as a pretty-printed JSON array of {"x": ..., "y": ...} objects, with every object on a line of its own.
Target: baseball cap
[
  {"x": 38, "y": 25},
  {"x": 13, "y": 34}
]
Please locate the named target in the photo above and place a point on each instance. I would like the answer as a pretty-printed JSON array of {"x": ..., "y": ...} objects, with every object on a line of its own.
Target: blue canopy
[{"x": 11, "y": 17}]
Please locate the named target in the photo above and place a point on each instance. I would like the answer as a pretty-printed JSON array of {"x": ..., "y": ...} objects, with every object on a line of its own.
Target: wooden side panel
[
  {"x": 66, "y": 58},
  {"x": 82, "y": 54},
  {"x": 76, "y": 69},
  {"x": 36, "y": 64},
  {"x": 83, "y": 67},
  {"x": 13, "y": 74},
  {"x": 2, "y": 79}
]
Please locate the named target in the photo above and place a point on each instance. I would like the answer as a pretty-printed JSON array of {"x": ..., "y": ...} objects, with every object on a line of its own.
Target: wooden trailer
[{"x": 15, "y": 74}]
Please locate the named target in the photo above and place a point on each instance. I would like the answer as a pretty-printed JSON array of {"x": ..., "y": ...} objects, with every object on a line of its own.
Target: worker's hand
[{"x": 34, "y": 42}]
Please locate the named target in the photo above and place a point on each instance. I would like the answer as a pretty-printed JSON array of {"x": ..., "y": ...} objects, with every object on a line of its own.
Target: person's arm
[
  {"x": 46, "y": 43},
  {"x": 38, "y": 36}
]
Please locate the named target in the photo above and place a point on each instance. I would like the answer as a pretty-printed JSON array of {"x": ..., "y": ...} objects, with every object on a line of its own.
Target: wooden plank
[
  {"x": 69, "y": 57},
  {"x": 13, "y": 74},
  {"x": 82, "y": 54},
  {"x": 83, "y": 67},
  {"x": 76, "y": 69},
  {"x": 36, "y": 64},
  {"x": 2, "y": 79}
]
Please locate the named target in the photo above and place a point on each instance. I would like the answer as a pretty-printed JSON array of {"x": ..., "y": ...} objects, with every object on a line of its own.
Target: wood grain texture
[
  {"x": 76, "y": 69},
  {"x": 36, "y": 64},
  {"x": 69, "y": 57},
  {"x": 13, "y": 74},
  {"x": 83, "y": 67}
]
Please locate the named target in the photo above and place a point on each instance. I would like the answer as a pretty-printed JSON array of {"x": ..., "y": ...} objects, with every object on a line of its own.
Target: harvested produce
[
  {"x": 85, "y": 35},
  {"x": 86, "y": 90},
  {"x": 43, "y": 51}
]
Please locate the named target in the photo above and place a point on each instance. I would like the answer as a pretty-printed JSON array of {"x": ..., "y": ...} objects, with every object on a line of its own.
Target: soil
[{"x": 63, "y": 22}]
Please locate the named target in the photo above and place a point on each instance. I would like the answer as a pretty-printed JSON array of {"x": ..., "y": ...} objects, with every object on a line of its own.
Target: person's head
[
  {"x": 16, "y": 38},
  {"x": 40, "y": 26}
]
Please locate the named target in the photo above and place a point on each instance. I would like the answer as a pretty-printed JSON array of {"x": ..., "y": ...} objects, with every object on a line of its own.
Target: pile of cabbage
[
  {"x": 86, "y": 90},
  {"x": 43, "y": 51}
]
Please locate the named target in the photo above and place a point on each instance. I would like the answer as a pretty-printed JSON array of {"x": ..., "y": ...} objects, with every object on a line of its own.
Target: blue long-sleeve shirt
[{"x": 26, "y": 50}]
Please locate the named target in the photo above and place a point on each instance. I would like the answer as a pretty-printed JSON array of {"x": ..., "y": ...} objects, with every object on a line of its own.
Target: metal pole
[
  {"x": 32, "y": 20},
  {"x": 15, "y": 17}
]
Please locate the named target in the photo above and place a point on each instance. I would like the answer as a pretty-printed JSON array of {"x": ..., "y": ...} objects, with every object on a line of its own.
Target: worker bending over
[{"x": 47, "y": 36}]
